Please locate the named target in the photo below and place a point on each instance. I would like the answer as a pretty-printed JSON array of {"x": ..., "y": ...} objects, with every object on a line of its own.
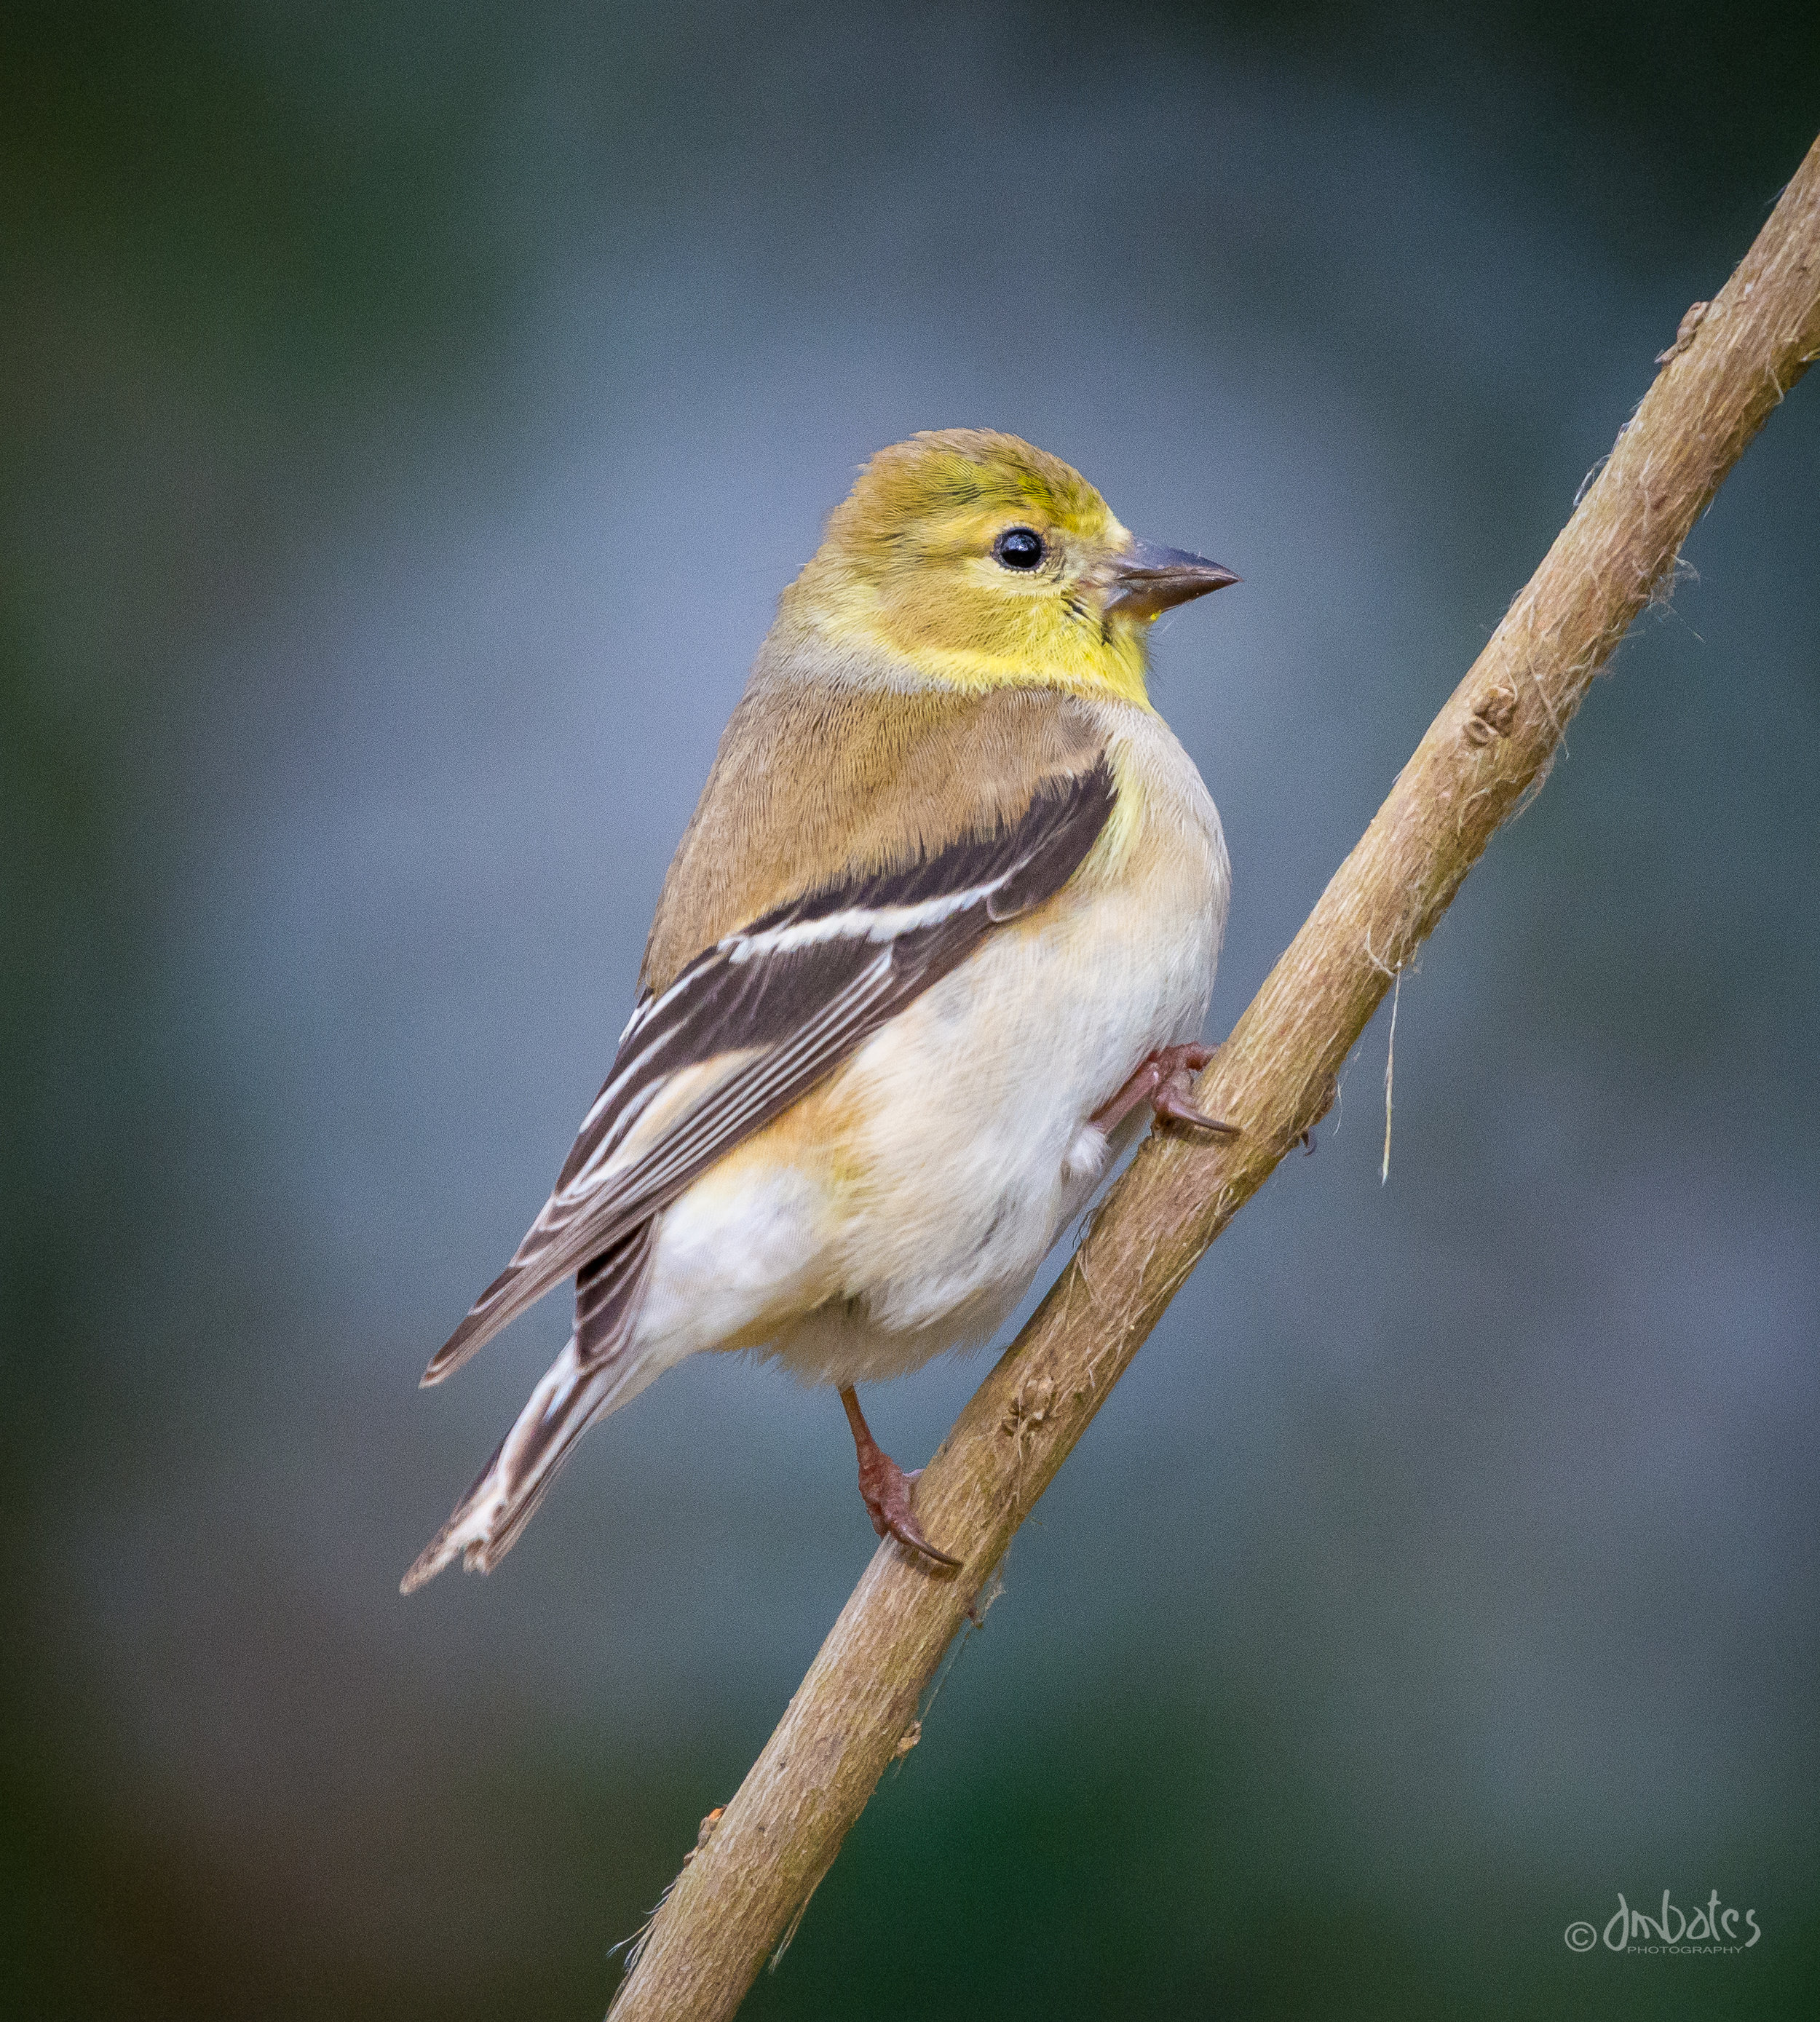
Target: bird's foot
[
  {"x": 1162, "y": 1081},
  {"x": 885, "y": 1488}
]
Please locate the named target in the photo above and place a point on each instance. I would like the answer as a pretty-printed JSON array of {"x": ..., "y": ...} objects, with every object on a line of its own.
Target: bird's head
[{"x": 983, "y": 562}]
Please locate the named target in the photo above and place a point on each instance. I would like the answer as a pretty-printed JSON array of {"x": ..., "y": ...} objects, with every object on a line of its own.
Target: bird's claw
[
  {"x": 1161, "y": 1081},
  {"x": 885, "y": 1488},
  {"x": 1170, "y": 1104}
]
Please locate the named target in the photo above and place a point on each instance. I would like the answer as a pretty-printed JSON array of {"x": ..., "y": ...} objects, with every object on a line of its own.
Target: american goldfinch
[{"x": 938, "y": 941}]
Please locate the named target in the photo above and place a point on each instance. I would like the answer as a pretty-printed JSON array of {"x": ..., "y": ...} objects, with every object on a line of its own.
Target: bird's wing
[{"x": 753, "y": 1023}]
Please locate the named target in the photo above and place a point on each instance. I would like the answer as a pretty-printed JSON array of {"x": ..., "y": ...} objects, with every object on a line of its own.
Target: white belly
[{"x": 974, "y": 1146}]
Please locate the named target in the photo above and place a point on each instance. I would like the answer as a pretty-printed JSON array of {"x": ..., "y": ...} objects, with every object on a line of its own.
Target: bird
[{"x": 936, "y": 945}]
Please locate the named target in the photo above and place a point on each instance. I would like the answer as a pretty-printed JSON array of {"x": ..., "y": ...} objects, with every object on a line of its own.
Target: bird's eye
[{"x": 1019, "y": 548}]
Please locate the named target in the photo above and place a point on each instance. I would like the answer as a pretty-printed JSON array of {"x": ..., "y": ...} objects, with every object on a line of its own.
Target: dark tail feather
[
  {"x": 596, "y": 1373},
  {"x": 608, "y": 1291}
]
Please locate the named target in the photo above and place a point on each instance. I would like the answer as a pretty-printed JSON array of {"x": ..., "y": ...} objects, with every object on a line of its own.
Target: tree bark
[{"x": 1490, "y": 746}]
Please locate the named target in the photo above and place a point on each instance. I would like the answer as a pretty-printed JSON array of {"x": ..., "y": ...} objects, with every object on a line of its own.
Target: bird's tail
[
  {"x": 600, "y": 1370},
  {"x": 573, "y": 1393}
]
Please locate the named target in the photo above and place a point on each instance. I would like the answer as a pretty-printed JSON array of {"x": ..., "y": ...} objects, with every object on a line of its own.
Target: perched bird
[{"x": 938, "y": 941}]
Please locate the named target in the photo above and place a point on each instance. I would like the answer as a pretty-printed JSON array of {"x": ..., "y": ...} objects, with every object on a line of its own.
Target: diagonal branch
[{"x": 1490, "y": 746}]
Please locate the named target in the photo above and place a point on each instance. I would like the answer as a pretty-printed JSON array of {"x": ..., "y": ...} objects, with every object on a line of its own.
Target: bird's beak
[{"x": 1147, "y": 580}]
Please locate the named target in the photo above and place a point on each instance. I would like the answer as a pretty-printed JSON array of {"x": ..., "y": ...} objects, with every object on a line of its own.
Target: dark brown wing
[{"x": 784, "y": 1000}]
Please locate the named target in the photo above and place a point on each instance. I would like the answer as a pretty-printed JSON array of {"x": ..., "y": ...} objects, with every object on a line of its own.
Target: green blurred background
[{"x": 407, "y": 417}]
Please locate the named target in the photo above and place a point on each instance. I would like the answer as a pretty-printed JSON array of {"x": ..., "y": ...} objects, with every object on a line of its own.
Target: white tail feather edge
[{"x": 568, "y": 1398}]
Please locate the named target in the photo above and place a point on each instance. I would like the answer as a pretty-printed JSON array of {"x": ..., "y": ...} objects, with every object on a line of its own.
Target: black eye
[{"x": 1019, "y": 548}]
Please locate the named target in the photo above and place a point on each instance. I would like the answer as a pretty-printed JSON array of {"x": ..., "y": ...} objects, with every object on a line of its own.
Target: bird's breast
[{"x": 963, "y": 1126}]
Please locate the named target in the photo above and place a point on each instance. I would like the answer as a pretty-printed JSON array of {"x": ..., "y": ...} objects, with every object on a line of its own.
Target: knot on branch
[
  {"x": 1493, "y": 712},
  {"x": 1032, "y": 1405},
  {"x": 706, "y": 1833},
  {"x": 1690, "y": 322}
]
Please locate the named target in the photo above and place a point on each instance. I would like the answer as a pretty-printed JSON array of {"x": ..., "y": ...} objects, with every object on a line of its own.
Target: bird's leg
[
  {"x": 885, "y": 1488},
  {"x": 1161, "y": 1081}
]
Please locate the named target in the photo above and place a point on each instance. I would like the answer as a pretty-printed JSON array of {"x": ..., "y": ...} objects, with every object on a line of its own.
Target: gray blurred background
[{"x": 408, "y": 416}]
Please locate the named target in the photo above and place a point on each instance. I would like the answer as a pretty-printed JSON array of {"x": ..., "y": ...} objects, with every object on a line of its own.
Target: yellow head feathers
[{"x": 980, "y": 561}]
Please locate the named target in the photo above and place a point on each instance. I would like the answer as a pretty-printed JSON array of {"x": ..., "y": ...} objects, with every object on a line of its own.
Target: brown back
[{"x": 814, "y": 778}]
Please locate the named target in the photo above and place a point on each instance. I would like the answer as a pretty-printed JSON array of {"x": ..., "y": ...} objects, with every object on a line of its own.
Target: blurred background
[{"x": 408, "y": 415}]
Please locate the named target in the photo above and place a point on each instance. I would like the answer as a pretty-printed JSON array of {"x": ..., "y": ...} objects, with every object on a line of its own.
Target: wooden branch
[{"x": 1490, "y": 746}]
